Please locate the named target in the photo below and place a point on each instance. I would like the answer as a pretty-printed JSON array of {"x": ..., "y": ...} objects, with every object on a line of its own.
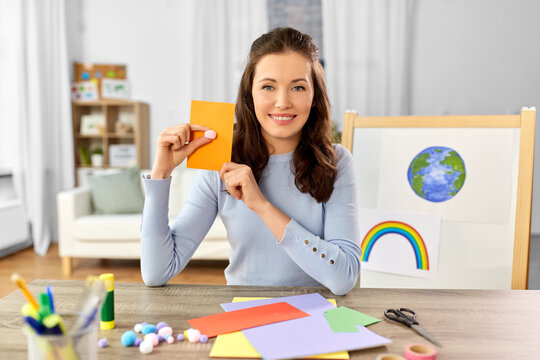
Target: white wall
[
  {"x": 478, "y": 57},
  {"x": 151, "y": 37},
  {"x": 469, "y": 57}
]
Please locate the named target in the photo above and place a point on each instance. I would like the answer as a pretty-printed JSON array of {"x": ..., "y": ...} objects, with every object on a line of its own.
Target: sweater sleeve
[
  {"x": 166, "y": 250},
  {"x": 335, "y": 260}
]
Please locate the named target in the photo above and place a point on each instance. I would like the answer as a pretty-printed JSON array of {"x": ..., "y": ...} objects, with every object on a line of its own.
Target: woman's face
[{"x": 283, "y": 95}]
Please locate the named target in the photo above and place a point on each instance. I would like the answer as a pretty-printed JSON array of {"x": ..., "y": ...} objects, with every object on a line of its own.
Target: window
[
  {"x": 303, "y": 15},
  {"x": 8, "y": 98}
]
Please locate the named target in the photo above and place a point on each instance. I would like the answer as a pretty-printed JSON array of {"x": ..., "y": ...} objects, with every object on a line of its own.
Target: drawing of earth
[{"x": 437, "y": 173}]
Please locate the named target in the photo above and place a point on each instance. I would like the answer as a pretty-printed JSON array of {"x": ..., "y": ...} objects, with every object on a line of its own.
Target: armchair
[{"x": 83, "y": 234}]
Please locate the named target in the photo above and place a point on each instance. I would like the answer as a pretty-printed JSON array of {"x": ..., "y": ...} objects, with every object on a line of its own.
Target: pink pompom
[
  {"x": 210, "y": 134},
  {"x": 193, "y": 335},
  {"x": 165, "y": 331},
  {"x": 152, "y": 337}
]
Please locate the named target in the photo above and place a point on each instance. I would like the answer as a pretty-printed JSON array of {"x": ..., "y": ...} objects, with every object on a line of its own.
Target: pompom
[
  {"x": 152, "y": 337},
  {"x": 146, "y": 347},
  {"x": 128, "y": 338},
  {"x": 148, "y": 328},
  {"x": 210, "y": 134},
  {"x": 193, "y": 335},
  {"x": 102, "y": 343},
  {"x": 165, "y": 330},
  {"x": 160, "y": 325}
]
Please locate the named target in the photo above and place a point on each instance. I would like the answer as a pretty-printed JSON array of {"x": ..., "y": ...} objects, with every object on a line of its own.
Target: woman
[{"x": 288, "y": 197}]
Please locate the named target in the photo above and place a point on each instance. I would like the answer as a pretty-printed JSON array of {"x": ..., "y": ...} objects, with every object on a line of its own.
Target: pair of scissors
[{"x": 408, "y": 317}]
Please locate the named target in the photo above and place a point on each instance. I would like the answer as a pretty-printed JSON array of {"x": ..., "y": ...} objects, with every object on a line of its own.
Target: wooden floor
[{"x": 32, "y": 266}]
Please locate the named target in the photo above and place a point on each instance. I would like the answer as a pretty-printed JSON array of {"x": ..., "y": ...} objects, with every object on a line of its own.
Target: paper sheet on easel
[{"x": 220, "y": 118}]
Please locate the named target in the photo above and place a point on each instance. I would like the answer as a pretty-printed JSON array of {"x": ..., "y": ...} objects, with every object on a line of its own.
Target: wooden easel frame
[{"x": 525, "y": 122}]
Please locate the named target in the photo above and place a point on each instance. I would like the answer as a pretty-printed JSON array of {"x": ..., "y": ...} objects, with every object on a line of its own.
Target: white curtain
[
  {"x": 222, "y": 35},
  {"x": 367, "y": 47},
  {"x": 40, "y": 109}
]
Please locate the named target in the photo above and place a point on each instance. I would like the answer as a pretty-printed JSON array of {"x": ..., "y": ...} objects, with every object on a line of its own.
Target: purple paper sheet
[
  {"x": 310, "y": 303},
  {"x": 305, "y": 336}
]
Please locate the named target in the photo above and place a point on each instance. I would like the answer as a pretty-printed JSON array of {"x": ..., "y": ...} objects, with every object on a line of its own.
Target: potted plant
[
  {"x": 83, "y": 155},
  {"x": 96, "y": 156},
  {"x": 336, "y": 134}
]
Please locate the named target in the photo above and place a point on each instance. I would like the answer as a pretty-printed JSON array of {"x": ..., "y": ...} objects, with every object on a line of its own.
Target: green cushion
[{"x": 117, "y": 193}]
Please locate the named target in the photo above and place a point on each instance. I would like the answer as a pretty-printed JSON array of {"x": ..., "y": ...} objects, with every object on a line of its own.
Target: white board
[{"x": 477, "y": 224}]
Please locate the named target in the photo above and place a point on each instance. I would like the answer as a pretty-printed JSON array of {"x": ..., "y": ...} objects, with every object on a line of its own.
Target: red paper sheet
[{"x": 227, "y": 322}]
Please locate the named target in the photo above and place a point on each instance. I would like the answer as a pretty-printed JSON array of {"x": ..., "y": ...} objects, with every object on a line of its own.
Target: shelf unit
[{"x": 112, "y": 110}]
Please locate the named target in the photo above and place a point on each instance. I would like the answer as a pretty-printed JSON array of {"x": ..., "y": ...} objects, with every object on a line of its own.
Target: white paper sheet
[
  {"x": 394, "y": 242},
  {"x": 487, "y": 153}
]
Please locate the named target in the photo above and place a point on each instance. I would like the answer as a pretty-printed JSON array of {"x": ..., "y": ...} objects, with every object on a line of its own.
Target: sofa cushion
[
  {"x": 117, "y": 193},
  {"x": 124, "y": 227},
  {"x": 117, "y": 227}
]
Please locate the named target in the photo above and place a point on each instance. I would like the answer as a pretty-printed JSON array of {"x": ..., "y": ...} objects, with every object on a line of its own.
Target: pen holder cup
[{"x": 81, "y": 345}]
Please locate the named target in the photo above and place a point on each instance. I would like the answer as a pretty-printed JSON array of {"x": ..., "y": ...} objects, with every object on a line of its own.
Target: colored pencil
[{"x": 19, "y": 281}]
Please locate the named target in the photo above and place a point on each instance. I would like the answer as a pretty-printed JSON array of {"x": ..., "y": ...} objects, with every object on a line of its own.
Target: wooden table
[{"x": 471, "y": 324}]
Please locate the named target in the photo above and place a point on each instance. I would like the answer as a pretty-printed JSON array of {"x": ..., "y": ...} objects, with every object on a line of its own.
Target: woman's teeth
[{"x": 282, "y": 118}]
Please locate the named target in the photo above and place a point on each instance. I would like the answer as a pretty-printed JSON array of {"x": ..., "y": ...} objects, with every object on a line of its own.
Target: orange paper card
[
  {"x": 220, "y": 118},
  {"x": 227, "y": 322}
]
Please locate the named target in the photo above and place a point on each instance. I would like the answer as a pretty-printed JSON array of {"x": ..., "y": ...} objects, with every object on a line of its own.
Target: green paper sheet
[{"x": 343, "y": 319}]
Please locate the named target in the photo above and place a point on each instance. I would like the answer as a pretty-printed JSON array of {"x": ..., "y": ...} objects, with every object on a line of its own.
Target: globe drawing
[{"x": 437, "y": 173}]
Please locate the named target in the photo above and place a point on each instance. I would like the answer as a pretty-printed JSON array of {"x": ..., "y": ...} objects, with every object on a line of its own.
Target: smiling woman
[
  {"x": 283, "y": 96},
  {"x": 287, "y": 55},
  {"x": 288, "y": 199}
]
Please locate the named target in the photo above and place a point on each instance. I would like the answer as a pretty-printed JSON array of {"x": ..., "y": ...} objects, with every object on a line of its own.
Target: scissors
[{"x": 408, "y": 317}]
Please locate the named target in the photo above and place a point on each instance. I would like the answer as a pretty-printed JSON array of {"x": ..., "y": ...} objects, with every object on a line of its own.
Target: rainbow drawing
[{"x": 400, "y": 228}]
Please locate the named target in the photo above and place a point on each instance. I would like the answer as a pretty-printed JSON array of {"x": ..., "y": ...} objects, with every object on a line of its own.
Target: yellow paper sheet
[
  {"x": 220, "y": 118},
  {"x": 236, "y": 345}
]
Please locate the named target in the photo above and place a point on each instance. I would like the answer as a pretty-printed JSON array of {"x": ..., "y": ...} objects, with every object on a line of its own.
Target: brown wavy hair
[{"x": 314, "y": 159}]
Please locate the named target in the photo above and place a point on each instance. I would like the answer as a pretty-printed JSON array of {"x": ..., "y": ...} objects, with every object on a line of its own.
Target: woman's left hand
[{"x": 241, "y": 184}]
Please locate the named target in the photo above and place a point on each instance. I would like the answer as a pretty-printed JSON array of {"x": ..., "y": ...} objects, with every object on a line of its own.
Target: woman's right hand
[{"x": 173, "y": 146}]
